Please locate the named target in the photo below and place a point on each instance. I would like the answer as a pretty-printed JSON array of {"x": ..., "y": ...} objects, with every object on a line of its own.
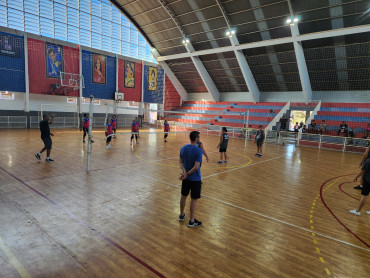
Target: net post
[
  {"x": 91, "y": 120},
  {"x": 247, "y": 129}
]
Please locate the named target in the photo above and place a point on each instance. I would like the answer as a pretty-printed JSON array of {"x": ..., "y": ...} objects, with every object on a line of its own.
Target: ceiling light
[
  {"x": 232, "y": 32},
  {"x": 296, "y": 19},
  {"x": 228, "y": 33},
  {"x": 289, "y": 20}
]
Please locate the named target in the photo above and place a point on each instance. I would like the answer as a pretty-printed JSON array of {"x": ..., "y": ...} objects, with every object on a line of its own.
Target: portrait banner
[
  {"x": 54, "y": 60},
  {"x": 99, "y": 69},
  {"x": 10, "y": 46},
  {"x": 130, "y": 69},
  {"x": 152, "y": 79}
]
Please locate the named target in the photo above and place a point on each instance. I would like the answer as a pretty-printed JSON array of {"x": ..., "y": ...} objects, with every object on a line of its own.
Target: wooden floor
[{"x": 262, "y": 217}]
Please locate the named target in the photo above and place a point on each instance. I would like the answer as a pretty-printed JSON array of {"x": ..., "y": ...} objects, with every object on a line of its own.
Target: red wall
[
  {"x": 39, "y": 83},
  {"x": 171, "y": 97},
  {"x": 130, "y": 94}
]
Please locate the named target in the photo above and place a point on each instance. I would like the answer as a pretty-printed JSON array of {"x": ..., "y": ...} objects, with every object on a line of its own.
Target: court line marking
[
  {"x": 13, "y": 260},
  {"x": 263, "y": 215},
  {"x": 341, "y": 189},
  {"x": 100, "y": 234},
  {"x": 336, "y": 218}
]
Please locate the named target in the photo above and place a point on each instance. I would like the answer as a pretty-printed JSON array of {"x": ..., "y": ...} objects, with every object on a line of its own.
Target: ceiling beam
[
  {"x": 305, "y": 37},
  {"x": 242, "y": 61},
  {"x": 302, "y": 66}
]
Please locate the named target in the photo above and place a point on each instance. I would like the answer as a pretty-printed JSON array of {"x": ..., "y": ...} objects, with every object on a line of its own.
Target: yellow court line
[
  {"x": 311, "y": 222},
  {"x": 14, "y": 261}
]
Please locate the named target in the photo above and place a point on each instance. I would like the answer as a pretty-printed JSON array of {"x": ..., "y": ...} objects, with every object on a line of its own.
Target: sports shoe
[
  {"x": 194, "y": 224},
  {"x": 259, "y": 154},
  {"x": 49, "y": 160},
  {"x": 368, "y": 212},
  {"x": 182, "y": 217},
  {"x": 358, "y": 187},
  {"x": 225, "y": 161},
  {"x": 353, "y": 211},
  {"x": 220, "y": 162},
  {"x": 38, "y": 156},
  {"x": 83, "y": 141}
]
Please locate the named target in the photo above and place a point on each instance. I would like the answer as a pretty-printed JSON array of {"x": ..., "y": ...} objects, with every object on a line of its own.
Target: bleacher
[
  {"x": 356, "y": 115},
  {"x": 227, "y": 113}
]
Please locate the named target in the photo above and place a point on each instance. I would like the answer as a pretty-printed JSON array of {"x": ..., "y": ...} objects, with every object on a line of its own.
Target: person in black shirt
[
  {"x": 365, "y": 174},
  {"x": 343, "y": 128},
  {"x": 45, "y": 136}
]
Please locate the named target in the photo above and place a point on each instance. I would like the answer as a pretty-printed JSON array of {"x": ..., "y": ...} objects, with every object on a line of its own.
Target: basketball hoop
[
  {"x": 71, "y": 80},
  {"x": 118, "y": 97}
]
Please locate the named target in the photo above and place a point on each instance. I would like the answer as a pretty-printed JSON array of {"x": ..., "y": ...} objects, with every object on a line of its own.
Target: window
[{"x": 92, "y": 23}]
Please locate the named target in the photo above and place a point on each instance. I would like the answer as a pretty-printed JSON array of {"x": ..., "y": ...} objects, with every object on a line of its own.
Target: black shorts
[
  {"x": 109, "y": 139},
  {"x": 365, "y": 188},
  {"x": 223, "y": 150},
  {"x": 259, "y": 143},
  {"x": 85, "y": 129},
  {"x": 114, "y": 129},
  {"x": 47, "y": 142},
  {"x": 165, "y": 135},
  {"x": 194, "y": 186}
]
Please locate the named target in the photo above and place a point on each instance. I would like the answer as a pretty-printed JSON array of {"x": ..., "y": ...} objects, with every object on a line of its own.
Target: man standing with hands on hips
[{"x": 190, "y": 162}]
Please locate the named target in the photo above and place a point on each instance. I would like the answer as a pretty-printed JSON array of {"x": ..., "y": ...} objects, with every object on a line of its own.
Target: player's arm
[
  {"x": 51, "y": 121},
  {"x": 204, "y": 152},
  {"x": 221, "y": 139},
  {"x": 192, "y": 170},
  {"x": 263, "y": 137},
  {"x": 359, "y": 174},
  {"x": 365, "y": 156}
]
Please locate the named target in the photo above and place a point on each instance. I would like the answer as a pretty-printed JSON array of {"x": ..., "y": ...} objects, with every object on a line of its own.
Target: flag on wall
[
  {"x": 99, "y": 69},
  {"x": 130, "y": 71},
  {"x": 153, "y": 79},
  {"x": 9, "y": 45},
  {"x": 54, "y": 60}
]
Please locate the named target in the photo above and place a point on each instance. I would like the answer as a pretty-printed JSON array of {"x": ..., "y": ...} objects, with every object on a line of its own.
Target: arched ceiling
[{"x": 334, "y": 62}]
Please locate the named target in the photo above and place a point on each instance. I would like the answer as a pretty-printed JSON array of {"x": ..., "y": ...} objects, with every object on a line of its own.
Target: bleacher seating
[
  {"x": 227, "y": 113},
  {"x": 356, "y": 115}
]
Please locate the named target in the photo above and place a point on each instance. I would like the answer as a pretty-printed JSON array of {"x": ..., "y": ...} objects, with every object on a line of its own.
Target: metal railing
[
  {"x": 13, "y": 121},
  {"x": 345, "y": 144}
]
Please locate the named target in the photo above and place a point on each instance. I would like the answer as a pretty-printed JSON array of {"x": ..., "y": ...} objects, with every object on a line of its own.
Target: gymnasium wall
[
  {"x": 100, "y": 86},
  {"x": 12, "y": 63},
  {"x": 131, "y": 93},
  {"x": 40, "y": 82}
]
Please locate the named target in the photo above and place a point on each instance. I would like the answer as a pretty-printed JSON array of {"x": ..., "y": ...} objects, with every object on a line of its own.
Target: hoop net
[{"x": 72, "y": 80}]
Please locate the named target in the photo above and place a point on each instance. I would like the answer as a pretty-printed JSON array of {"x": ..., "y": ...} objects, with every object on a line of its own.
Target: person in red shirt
[
  {"x": 166, "y": 130},
  {"x": 134, "y": 129},
  {"x": 114, "y": 125},
  {"x": 108, "y": 131},
  {"x": 85, "y": 126}
]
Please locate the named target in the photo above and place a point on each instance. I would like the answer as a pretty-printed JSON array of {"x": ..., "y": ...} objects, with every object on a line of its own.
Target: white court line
[
  {"x": 237, "y": 168},
  {"x": 261, "y": 214}
]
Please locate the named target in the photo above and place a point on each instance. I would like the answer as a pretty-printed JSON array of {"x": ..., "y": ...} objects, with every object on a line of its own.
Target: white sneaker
[
  {"x": 368, "y": 212},
  {"x": 109, "y": 146},
  {"x": 353, "y": 211}
]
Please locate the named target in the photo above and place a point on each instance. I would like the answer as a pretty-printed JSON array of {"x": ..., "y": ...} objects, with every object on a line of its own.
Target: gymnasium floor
[{"x": 282, "y": 215}]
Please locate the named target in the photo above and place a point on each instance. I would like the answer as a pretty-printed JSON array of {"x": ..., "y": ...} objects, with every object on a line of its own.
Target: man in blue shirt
[{"x": 190, "y": 162}]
